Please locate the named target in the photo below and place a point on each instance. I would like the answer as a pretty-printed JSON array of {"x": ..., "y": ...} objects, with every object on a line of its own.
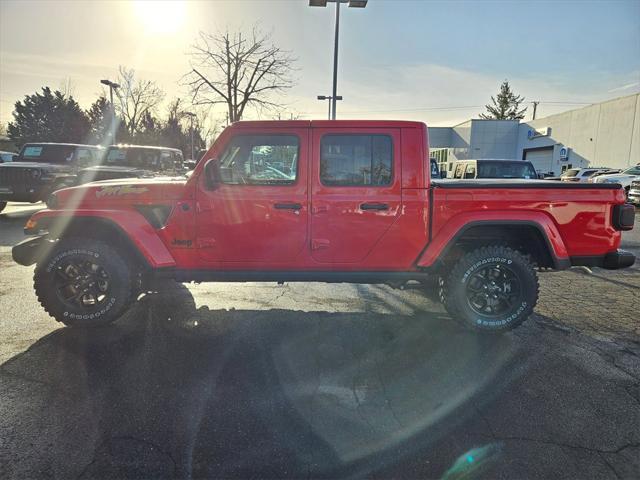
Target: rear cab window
[
  {"x": 470, "y": 172},
  {"x": 356, "y": 160},
  {"x": 506, "y": 169},
  {"x": 459, "y": 170}
]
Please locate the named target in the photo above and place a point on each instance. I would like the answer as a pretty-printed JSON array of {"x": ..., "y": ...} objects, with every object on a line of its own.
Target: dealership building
[{"x": 605, "y": 134}]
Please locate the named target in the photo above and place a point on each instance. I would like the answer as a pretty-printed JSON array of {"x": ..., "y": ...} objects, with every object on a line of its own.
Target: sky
[{"x": 433, "y": 61}]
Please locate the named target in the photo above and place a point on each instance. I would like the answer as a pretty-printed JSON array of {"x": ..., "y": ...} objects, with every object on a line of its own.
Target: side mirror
[{"x": 212, "y": 173}]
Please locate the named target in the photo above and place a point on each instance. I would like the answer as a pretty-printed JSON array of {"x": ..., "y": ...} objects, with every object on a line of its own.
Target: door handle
[
  {"x": 374, "y": 206},
  {"x": 288, "y": 206}
]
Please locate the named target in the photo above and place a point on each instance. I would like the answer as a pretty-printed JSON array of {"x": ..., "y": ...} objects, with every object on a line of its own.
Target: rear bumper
[{"x": 610, "y": 261}]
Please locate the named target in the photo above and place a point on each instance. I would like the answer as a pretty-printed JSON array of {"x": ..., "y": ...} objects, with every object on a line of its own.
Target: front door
[
  {"x": 356, "y": 192},
  {"x": 258, "y": 209}
]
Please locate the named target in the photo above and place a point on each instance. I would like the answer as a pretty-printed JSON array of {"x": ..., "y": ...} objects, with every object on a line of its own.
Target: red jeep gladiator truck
[{"x": 328, "y": 201}]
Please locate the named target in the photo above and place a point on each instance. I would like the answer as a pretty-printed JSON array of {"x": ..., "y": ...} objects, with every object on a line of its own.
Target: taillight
[{"x": 623, "y": 216}]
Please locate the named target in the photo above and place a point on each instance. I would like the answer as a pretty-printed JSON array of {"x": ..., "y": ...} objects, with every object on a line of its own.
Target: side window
[
  {"x": 459, "y": 170},
  {"x": 166, "y": 160},
  {"x": 470, "y": 172},
  {"x": 260, "y": 160},
  {"x": 84, "y": 156},
  {"x": 357, "y": 160},
  {"x": 178, "y": 160}
]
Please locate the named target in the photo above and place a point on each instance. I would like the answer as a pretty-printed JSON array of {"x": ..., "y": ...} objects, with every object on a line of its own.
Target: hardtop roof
[
  {"x": 63, "y": 144},
  {"x": 148, "y": 147},
  {"x": 328, "y": 124}
]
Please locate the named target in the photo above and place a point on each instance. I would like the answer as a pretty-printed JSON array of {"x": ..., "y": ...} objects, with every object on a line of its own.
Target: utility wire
[{"x": 424, "y": 109}]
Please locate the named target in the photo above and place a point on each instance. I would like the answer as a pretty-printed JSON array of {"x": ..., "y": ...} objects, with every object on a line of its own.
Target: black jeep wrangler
[
  {"x": 41, "y": 168},
  {"x": 131, "y": 161}
]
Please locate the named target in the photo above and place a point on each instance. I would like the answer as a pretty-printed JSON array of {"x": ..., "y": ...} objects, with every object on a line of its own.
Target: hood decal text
[{"x": 119, "y": 190}]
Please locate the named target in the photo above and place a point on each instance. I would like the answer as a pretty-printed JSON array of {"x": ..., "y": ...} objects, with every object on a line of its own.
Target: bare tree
[
  {"x": 136, "y": 99},
  {"x": 239, "y": 71},
  {"x": 67, "y": 87}
]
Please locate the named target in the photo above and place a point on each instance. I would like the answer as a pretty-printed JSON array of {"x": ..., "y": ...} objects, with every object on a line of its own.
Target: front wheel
[
  {"x": 83, "y": 282},
  {"x": 491, "y": 289}
]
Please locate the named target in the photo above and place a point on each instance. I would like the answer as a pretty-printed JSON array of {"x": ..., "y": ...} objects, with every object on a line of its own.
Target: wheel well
[
  {"x": 525, "y": 238},
  {"x": 97, "y": 229}
]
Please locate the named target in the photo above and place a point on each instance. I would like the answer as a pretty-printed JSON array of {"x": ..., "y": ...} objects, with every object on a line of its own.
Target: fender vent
[{"x": 156, "y": 215}]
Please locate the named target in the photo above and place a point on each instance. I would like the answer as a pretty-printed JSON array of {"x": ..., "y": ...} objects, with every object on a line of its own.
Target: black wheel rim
[
  {"x": 81, "y": 283},
  {"x": 493, "y": 290}
]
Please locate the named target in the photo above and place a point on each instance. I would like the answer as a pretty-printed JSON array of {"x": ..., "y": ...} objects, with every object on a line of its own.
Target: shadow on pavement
[{"x": 174, "y": 391}]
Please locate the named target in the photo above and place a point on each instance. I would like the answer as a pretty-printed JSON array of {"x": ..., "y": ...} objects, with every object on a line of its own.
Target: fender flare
[
  {"x": 130, "y": 226},
  {"x": 456, "y": 227}
]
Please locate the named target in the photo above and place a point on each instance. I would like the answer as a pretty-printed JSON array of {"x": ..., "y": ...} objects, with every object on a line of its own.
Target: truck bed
[{"x": 521, "y": 183}]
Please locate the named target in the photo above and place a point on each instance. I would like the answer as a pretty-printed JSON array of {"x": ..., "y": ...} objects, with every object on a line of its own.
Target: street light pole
[
  {"x": 112, "y": 86},
  {"x": 330, "y": 98},
  {"x": 335, "y": 62},
  {"x": 191, "y": 115},
  {"x": 323, "y": 3}
]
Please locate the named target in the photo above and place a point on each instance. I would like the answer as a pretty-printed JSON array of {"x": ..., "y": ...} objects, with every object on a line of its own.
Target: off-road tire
[
  {"x": 458, "y": 293},
  {"x": 117, "y": 298},
  {"x": 2, "y": 205}
]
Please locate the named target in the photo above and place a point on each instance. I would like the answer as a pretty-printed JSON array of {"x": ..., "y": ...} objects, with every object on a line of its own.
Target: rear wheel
[
  {"x": 84, "y": 282},
  {"x": 491, "y": 289}
]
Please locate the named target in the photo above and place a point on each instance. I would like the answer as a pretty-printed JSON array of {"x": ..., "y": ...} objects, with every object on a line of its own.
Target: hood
[
  {"x": 111, "y": 168},
  {"x": 121, "y": 192},
  {"x": 614, "y": 177}
]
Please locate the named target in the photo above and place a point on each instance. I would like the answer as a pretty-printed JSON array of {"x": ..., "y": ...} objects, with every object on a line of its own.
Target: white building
[{"x": 605, "y": 134}]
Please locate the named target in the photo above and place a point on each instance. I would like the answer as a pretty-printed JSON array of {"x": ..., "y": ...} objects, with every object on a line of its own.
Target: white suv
[
  {"x": 624, "y": 178},
  {"x": 634, "y": 193},
  {"x": 582, "y": 174}
]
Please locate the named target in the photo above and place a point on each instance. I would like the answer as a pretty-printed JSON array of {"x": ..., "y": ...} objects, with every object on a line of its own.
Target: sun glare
[{"x": 160, "y": 16}]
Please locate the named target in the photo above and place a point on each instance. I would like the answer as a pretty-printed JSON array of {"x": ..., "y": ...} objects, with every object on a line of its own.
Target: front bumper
[
  {"x": 22, "y": 193},
  {"x": 610, "y": 261},
  {"x": 30, "y": 250}
]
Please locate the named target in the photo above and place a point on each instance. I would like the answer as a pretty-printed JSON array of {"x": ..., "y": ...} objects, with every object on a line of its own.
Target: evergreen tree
[
  {"x": 99, "y": 115},
  {"x": 48, "y": 117},
  {"x": 506, "y": 105}
]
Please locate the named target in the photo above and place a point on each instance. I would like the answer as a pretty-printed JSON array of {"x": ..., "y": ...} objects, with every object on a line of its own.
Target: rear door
[{"x": 356, "y": 192}]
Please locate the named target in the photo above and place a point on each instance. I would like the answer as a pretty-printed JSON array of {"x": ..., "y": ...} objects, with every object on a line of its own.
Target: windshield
[
  {"x": 499, "y": 169},
  {"x": 633, "y": 170},
  {"x": 47, "y": 153},
  {"x": 145, "y": 158},
  {"x": 572, "y": 172}
]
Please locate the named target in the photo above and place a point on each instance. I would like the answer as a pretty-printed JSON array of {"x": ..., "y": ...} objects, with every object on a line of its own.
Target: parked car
[
  {"x": 634, "y": 193},
  {"x": 351, "y": 201},
  {"x": 134, "y": 161},
  {"x": 6, "y": 157},
  {"x": 42, "y": 168},
  {"x": 466, "y": 169},
  {"x": 624, "y": 178},
  {"x": 583, "y": 174}
]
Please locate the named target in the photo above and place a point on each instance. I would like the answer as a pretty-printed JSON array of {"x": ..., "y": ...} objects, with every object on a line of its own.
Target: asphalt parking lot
[{"x": 314, "y": 380}]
